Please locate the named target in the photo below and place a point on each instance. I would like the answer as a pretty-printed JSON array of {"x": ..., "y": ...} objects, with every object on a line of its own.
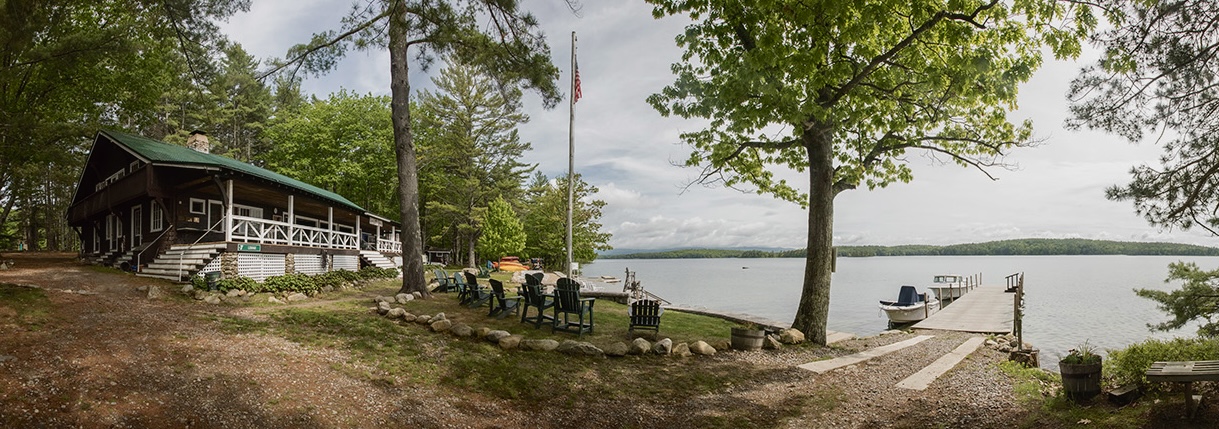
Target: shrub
[
  {"x": 1127, "y": 365},
  {"x": 295, "y": 282},
  {"x": 239, "y": 282},
  {"x": 371, "y": 272}
]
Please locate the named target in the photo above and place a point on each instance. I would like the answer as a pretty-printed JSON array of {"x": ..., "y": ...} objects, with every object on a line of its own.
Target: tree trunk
[
  {"x": 813, "y": 313},
  {"x": 404, "y": 148}
]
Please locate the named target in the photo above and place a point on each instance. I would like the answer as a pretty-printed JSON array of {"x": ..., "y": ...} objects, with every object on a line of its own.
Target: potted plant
[
  {"x": 748, "y": 337},
  {"x": 1081, "y": 371}
]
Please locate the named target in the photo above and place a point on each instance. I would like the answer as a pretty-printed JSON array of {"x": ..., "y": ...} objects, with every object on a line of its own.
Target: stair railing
[
  {"x": 155, "y": 243},
  {"x": 182, "y": 253}
]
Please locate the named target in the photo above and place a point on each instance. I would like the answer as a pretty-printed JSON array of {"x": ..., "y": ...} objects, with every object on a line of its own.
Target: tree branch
[{"x": 334, "y": 41}]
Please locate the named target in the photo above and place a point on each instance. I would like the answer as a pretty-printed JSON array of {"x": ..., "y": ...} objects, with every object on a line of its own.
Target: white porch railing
[
  {"x": 388, "y": 246},
  {"x": 255, "y": 230}
]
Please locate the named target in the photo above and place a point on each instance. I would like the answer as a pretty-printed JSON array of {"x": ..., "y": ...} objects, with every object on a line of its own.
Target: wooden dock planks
[{"x": 986, "y": 309}]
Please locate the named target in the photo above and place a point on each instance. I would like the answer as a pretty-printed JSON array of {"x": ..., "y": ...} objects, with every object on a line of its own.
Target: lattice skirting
[
  {"x": 259, "y": 266},
  {"x": 346, "y": 262},
  {"x": 309, "y": 264}
]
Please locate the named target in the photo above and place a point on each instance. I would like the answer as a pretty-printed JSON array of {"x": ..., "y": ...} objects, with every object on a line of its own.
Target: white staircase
[
  {"x": 377, "y": 259},
  {"x": 181, "y": 261}
]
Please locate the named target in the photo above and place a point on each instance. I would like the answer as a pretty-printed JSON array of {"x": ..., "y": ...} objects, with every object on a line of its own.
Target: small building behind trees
[{"x": 170, "y": 211}]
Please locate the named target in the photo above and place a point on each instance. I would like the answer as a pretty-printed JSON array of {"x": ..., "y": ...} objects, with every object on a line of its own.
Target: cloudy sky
[{"x": 627, "y": 149}]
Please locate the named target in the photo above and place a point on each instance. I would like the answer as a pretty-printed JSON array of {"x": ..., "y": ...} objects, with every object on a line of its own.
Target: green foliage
[
  {"x": 295, "y": 282},
  {"x": 343, "y": 143},
  {"x": 1198, "y": 299},
  {"x": 1156, "y": 79},
  {"x": 298, "y": 282},
  {"x": 1128, "y": 365},
  {"x": 236, "y": 283},
  {"x": 545, "y": 217},
  {"x": 469, "y": 153},
  {"x": 1084, "y": 355},
  {"x": 503, "y": 233},
  {"x": 371, "y": 273}
]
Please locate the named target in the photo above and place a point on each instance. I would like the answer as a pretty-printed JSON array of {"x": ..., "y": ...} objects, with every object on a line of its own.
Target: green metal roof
[{"x": 158, "y": 152}]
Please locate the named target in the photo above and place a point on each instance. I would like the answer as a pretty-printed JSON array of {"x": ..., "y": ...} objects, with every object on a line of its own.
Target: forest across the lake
[{"x": 1028, "y": 246}]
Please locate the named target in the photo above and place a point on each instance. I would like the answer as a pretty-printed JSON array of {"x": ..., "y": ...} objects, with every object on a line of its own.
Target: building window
[
  {"x": 247, "y": 211},
  {"x": 156, "y": 220},
  {"x": 134, "y": 165},
  {"x": 198, "y": 206}
]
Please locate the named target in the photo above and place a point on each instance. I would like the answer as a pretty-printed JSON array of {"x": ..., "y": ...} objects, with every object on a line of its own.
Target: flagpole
[{"x": 571, "y": 152}]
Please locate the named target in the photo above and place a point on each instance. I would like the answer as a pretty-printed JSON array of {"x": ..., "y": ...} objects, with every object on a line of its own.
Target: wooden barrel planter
[
  {"x": 1080, "y": 382},
  {"x": 747, "y": 339}
]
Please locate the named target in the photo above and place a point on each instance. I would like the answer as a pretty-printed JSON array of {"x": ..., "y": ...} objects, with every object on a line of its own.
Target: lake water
[{"x": 1068, "y": 299}]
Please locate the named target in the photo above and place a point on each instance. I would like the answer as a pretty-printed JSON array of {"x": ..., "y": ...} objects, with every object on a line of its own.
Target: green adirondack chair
[
  {"x": 478, "y": 295},
  {"x": 535, "y": 299},
  {"x": 645, "y": 315},
  {"x": 569, "y": 304}
]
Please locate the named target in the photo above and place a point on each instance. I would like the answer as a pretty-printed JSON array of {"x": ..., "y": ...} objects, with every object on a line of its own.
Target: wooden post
[
  {"x": 291, "y": 220},
  {"x": 926, "y": 305},
  {"x": 228, "y": 211}
]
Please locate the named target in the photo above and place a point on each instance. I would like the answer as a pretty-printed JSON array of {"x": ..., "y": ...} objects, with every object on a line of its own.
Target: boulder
[
  {"x": 328, "y": 288},
  {"x": 402, "y": 298},
  {"x": 395, "y": 313},
  {"x": 578, "y": 348},
  {"x": 791, "y": 336},
  {"x": 186, "y": 290},
  {"x": 702, "y": 348},
  {"x": 142, "y": 288},
  {"x": 495, "y": 336},
  {"x": 417, "y": 295},
  {"x": 720, "y": 344},
  {"x": 682, "y": 349},
  {"x": 272, "y": 299},
  {"x": 380, "y": 298},
  {"x": 232, "y": 293},
  {"x": 441, "y": 325},
  {"x": 639, "y": 346},
  {"x": 771, "y": 342},
  {"x": 663, "y": 347},
  {"x": 154, "y": 292},
  {"x": 461, "y": 330},
  {"x": 482, "y": 332},
  {"x": 212, "y": 299},
  {"x": 301, "y": 297},
  {"x": 618, "y": 349},
  {"x": 409, "y": 317},
  {"x": 382, "y": 307},
  {"x": 423, "y": 319},
  {"x": 539, "y": 345},
  {"x": 510, "y": 342},
  {"x": 200, "y": 294},
  {"x": 439, "y": 316}
]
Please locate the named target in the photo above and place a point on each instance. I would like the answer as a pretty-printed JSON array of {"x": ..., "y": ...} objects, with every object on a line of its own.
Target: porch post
[
  {"x": 358, "y": 246},
  {"x": 330, "y": 219},
  {"x": 228, "y": 210},
  {"x": 378, "y": 238},
  {"x": 291, "y": 220}
]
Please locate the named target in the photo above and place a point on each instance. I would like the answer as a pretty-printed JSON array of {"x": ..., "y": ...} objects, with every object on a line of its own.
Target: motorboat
[
  {"x": 910, "y": 306},
  {"x": 949, "y": 286}
]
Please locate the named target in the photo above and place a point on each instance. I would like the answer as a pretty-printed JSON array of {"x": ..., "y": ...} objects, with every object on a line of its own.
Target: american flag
[{"x": 578, "y": 93}]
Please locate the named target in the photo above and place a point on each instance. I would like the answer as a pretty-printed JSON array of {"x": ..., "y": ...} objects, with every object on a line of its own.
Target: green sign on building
[{"x": 249, "y": 247}]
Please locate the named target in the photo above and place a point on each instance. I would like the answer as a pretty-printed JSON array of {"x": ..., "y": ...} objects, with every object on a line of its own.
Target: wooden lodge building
[{"x": 172, "y": 212}]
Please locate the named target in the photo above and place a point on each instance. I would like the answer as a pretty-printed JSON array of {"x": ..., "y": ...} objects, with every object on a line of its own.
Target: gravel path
[{"x": 113, "y": 358}]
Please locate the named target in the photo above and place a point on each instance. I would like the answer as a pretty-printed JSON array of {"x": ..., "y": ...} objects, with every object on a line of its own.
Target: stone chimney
[{"x": 198, "y": 141}]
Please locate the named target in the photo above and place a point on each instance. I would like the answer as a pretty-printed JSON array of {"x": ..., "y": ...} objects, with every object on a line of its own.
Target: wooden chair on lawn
[
  {"x": 645, "y": 315},
  {"x": 501, "y": 304},
  {"x": 444, "y": 283},
  {"x": 567, "y": 301},
  {"x": 534, "y": 297},
  {"x": 478, "y": 295},
  {"x": 463, "y": 289}
]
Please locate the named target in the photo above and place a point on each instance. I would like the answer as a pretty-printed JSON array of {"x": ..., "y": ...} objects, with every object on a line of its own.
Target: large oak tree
[{"x": 843, "y": 90}]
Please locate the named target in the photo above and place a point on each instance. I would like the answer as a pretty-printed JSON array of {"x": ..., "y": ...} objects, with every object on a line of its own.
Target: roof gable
[{"x": 160, "y": 153}]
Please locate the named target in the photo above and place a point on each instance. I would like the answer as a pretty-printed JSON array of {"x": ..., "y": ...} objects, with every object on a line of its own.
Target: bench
[{"x": 1185, "y": 372}]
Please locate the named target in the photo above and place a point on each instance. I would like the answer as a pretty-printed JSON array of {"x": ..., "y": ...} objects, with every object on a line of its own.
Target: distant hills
[{"x": 1027, "y": 246}]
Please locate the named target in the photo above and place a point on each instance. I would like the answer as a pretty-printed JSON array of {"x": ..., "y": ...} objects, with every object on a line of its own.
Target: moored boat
[
  {"x": 910, "y": 306},
  {"x": 948, "y": 286},
  {"x": 510, "y": 264}
]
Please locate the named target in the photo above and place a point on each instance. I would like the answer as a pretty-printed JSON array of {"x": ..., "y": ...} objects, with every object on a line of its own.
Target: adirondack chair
[
  {"x": 445, "y": 284},
  {"x": 478, "y": 295},
  {"x": 534, "y": 297},
  {"x": 463, "y": 289},
  {"x": 501, "y": 304},
  {"x": 567, "y": 301},
  {"x": 645, "y": 315}
]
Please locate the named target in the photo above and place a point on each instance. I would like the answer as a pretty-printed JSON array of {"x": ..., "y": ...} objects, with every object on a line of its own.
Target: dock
[{"x": 986, "y": 309}]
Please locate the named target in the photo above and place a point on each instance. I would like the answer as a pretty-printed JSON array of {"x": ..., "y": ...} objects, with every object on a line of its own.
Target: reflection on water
[{"x": 1069, "y": 299}]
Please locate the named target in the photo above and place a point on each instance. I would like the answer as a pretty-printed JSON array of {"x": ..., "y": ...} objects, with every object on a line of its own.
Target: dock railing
[{"x": 1015, "y": 283}]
